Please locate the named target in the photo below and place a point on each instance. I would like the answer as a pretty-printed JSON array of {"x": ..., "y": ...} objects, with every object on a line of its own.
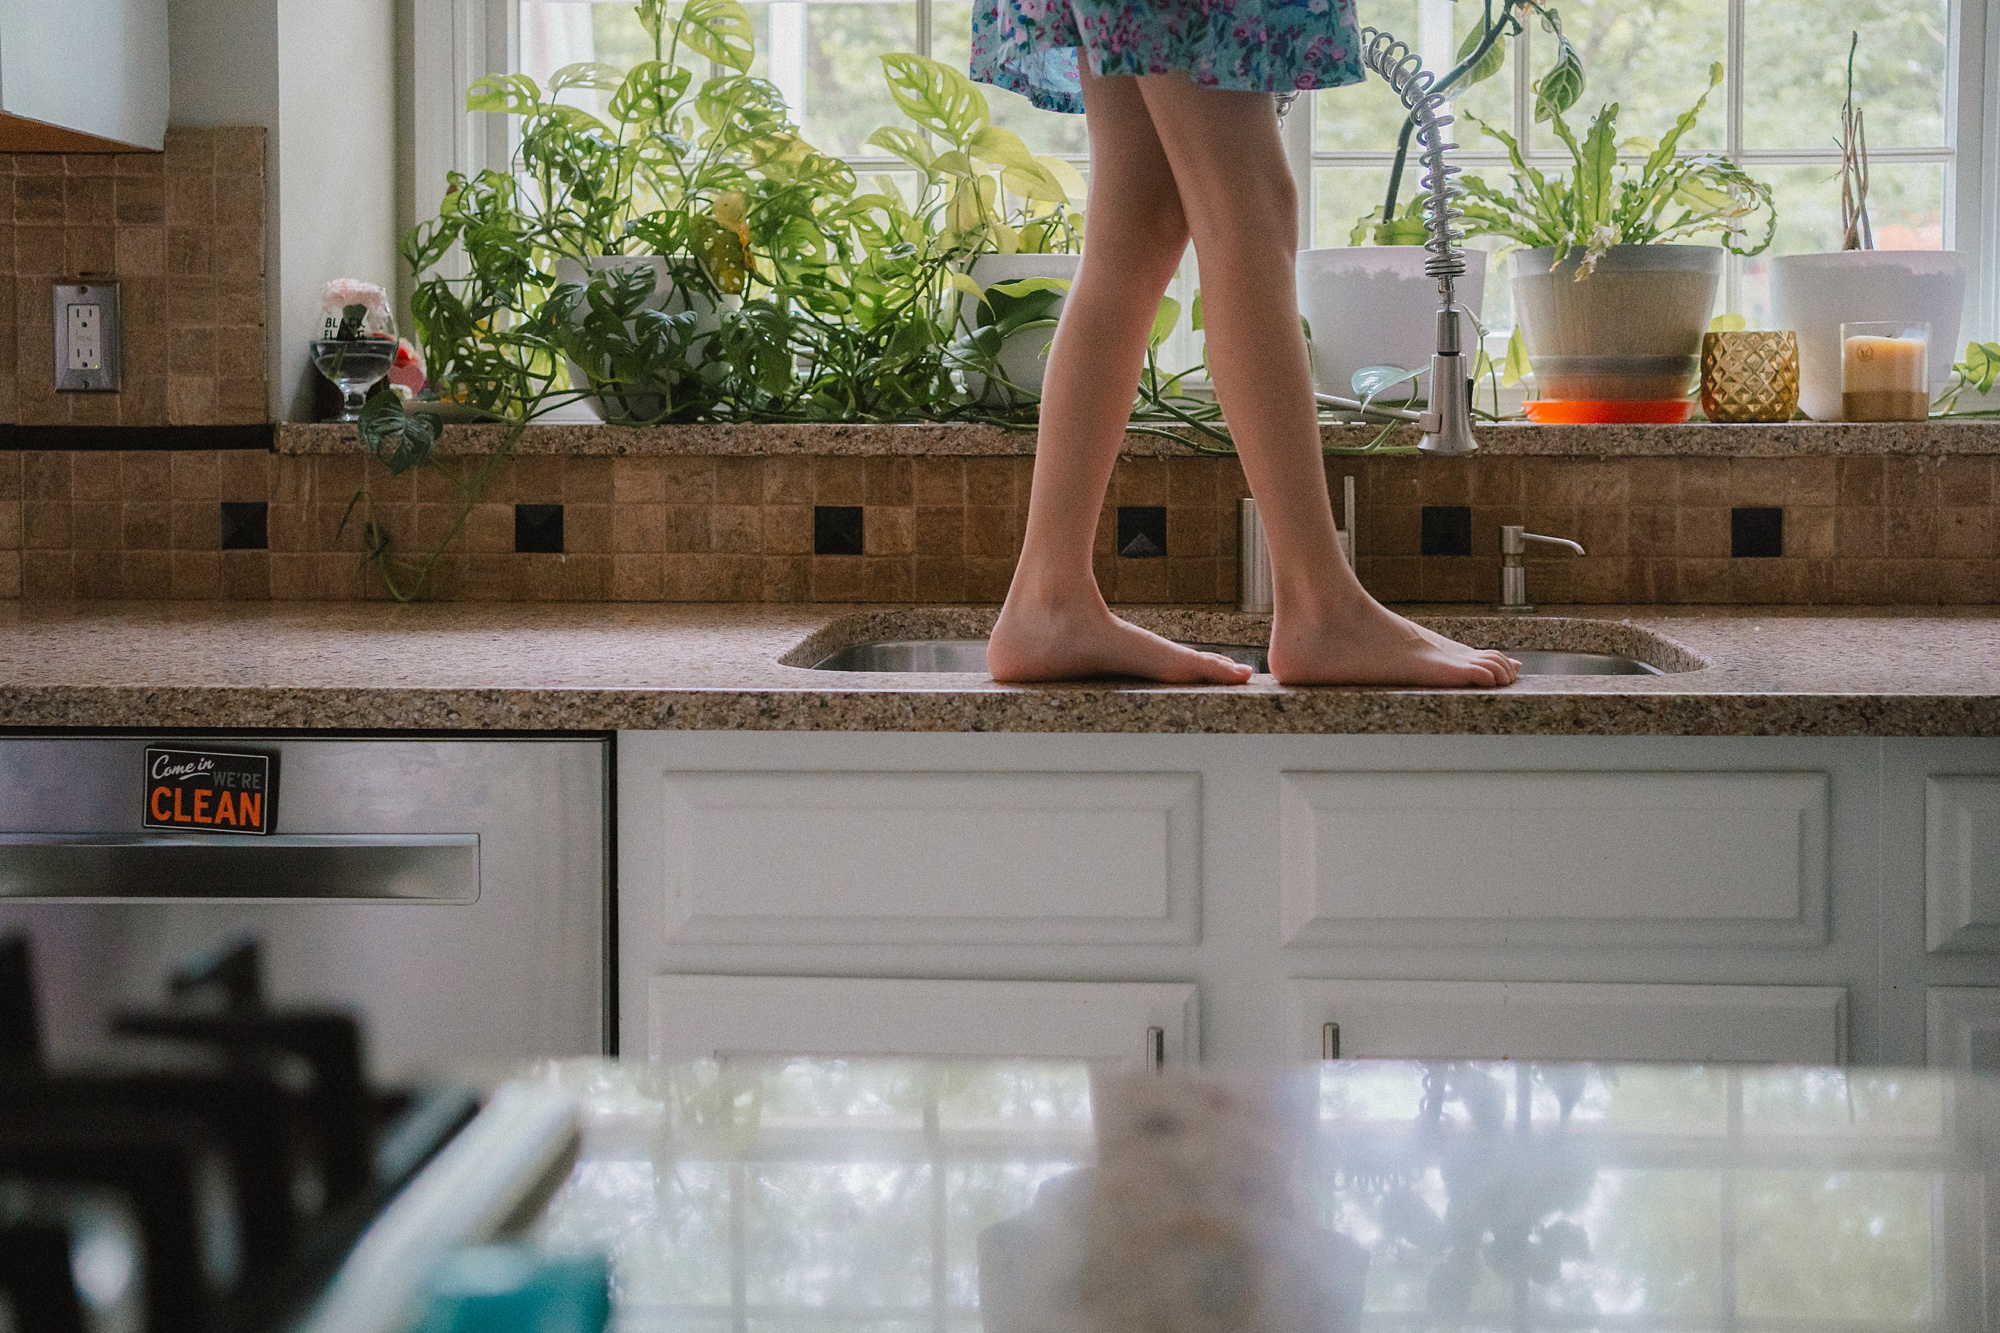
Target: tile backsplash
[
  {"x": 252, "y": 524},
  {"x": 182, "y": 232}
]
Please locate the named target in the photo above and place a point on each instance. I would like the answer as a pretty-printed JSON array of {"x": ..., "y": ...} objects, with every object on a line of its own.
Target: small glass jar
[
  {"x": 1885, "y": 371},
  {"x": 1750, "y": 376}
]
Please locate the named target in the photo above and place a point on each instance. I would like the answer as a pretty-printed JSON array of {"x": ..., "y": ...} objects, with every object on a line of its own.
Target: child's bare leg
[
  {"x": 1055, "y": 625},
  {"x": 1237, "y": 193}
]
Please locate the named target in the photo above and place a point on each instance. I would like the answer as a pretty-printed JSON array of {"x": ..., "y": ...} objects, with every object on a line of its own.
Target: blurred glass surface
[{"x": 846, "y": 1194}]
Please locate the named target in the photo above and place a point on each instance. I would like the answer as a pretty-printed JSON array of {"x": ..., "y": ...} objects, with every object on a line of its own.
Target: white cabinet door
[
  {"x": 1571, "y": 1021},
  {"x": 1531, "y": 857},
  {"x": 965, "y": 857},
  {"x": 1964, "y": 1028},
  {"x": 1962, "y": 864},
  {"x": 700, "y": 1016}
]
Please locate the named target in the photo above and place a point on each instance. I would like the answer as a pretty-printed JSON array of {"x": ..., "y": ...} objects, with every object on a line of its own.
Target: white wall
[
  {"x": 88, "y": 65},
  {"x": 336, "y": 169},
  {"x": 321, "y": 79}
]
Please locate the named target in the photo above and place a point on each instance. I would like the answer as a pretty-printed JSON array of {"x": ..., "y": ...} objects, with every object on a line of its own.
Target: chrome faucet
[
  {"x": 1447, "y": 425},
  {"x": 1514, "y": 541}
]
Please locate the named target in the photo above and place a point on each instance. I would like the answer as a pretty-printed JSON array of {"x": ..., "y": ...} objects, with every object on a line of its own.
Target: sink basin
[{"x": 969, "y": 656}]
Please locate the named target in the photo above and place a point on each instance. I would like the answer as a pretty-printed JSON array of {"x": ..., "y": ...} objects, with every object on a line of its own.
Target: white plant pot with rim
[
  {"x": 1813, "y": 295},
  {"x": 1373, "y": 305},
  {"x": 1628, "y": 331},
  {"x": 666, "y": 297},
  {"x": 1024, "y": 358}
]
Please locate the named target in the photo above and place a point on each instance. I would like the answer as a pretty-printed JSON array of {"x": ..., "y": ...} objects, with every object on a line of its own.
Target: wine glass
[{"x": 359, "y": 351}]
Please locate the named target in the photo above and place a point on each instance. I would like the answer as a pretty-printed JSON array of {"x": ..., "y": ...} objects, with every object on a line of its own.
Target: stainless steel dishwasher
[{"x": 453, "y": 892}]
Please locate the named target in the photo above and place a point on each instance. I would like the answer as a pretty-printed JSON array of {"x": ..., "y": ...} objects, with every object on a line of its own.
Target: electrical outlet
[{"x": 86, "y": 332}]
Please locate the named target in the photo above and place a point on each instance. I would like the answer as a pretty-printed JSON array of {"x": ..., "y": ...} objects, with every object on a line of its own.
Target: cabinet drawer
[
  {"x": 702, "y": 1016},
  {"x": 971, "y": 858},
  {"x": 1541, "y": 858},
  {"x": 1463, "y": 1020},
  {"x": 1962, "y": 864}
]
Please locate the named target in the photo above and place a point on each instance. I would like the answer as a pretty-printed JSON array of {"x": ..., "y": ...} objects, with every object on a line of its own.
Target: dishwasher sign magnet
[{"x": 210, "y": 791}]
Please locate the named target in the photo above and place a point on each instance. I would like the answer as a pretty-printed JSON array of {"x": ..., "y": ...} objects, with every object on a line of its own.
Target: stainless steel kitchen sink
[{"x": 969, "y": 656}]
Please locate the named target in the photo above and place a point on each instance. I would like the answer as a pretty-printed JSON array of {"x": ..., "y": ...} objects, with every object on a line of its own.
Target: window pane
[
  {"x": 1905, "y": 204},
  {"x": 1341, "y": 195},
  {"x": 1796, "y": 58},
  {"x": 555, "y": 33},
  {"x": 1043, "y": 131},
  {"x": 828, "y": 59},
  {"x": 1364, "y": 117},
  {"x": 1652, "y": 59},
  {"x": 1492, "y": 98}
]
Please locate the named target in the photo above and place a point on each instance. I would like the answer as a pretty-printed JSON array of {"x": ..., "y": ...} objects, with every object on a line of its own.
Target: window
[
  {"x": 1920, "y": 74},
  {"x": 824, "y": 54},
  {"x": 1777, "y": 112}
]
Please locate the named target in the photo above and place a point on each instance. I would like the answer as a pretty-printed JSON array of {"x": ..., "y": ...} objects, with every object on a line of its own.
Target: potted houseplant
[
  {"x": 1370, "y": 303},
  {"x": 1814, "y": 294},
  {"x": 1610, "y": 306},
  {"x": 1015, "y": 263},
  {"x": 643, "y": 212}
]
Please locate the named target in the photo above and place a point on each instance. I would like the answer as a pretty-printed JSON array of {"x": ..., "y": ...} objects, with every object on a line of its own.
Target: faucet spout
[{"x": 1447, "y": 427}]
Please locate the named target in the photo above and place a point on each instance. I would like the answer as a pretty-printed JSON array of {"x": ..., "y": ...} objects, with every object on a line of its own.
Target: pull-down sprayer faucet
[{"x": 1447, "y": 426}]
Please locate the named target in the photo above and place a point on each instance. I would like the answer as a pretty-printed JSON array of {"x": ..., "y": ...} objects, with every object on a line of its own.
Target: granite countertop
[
  {"x": 1792, "y": 439},
  {"x": 600, "y": 667}
]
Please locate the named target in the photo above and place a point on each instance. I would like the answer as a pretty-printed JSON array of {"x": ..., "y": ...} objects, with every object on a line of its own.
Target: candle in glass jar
[{"x": 1885, "y": 371}]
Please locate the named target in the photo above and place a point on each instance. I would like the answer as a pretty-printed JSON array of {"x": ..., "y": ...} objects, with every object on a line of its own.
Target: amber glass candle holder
[
  {"x": 1885, "y": 371},
  {"x": 1750, "y": 376}
]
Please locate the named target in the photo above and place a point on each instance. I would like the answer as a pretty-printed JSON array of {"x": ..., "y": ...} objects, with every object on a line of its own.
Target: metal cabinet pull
[
  {"x": 1329, "y": 1041},
  {"x": 1156, "y": 1050}
]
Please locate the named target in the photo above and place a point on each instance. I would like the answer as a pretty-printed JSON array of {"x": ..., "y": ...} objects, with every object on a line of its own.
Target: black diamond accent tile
[
  {"x": 838, "y": 530},
  {"x": 538, "y": 529},
  {"x": 1757, "y": 533},
  {"x": 1447, "y": 530},
  {"x": 246, "y": 525},
  {"x": 1142, "y": 531}
]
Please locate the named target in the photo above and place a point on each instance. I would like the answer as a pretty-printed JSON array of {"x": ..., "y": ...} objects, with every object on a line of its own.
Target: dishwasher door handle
[{"x": 319, "y": 867}]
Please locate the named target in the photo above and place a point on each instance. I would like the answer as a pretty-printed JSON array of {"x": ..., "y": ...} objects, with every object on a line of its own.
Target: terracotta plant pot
[
  {"x": 1372, "y": 305},
  {"x": 1813, "y": 295},
  {"x": 1629, "y": 331}
]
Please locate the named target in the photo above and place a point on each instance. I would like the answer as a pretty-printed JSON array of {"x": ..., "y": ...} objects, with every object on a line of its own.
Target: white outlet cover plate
[{"x": 82, "y": 310}]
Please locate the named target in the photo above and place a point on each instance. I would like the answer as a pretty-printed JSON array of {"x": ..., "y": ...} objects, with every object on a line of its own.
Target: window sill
[{"x": 1798, "y": 439}]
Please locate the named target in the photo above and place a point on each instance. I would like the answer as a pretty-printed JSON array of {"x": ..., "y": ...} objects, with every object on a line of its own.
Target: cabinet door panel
[
  {"x": 1531, "y": 858},
  {"x": 976, "y": 858},
  {"x": 1572, "y": 1021},
  {"x": 702, "y": 1016},
  {"x": 1964, "y": 1028},
  {"x": 1962, "y": 864}
]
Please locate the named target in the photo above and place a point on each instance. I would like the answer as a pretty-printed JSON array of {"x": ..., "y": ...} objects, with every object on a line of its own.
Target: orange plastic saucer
[{"x": 1608, "y": 412}]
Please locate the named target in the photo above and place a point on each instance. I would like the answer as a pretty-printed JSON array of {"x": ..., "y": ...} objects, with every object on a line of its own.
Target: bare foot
[
  {"x": 1365, "y": 643},
  {"x": 1084, "y": 641}
]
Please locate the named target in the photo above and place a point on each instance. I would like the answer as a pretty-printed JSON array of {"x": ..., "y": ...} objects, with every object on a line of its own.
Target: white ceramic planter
[
  {"x": 1024, "y": 358},
  {"x": 708, "y": 319},
  {"x": 1372, "y": 305},
  {"x": 1629, "y": 330},
  {"x": 1813, "y": 295}
]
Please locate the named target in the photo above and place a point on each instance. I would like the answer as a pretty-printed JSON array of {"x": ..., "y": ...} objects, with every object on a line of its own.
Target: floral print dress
[{"x": 1272, "y": 46}]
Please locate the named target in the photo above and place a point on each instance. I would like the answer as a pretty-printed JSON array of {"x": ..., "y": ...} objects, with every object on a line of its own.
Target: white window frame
[{"x": 455, "y": 41}]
